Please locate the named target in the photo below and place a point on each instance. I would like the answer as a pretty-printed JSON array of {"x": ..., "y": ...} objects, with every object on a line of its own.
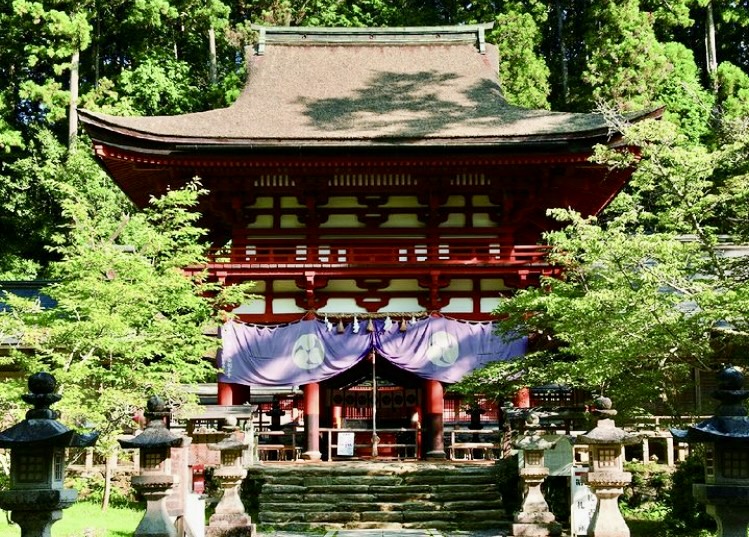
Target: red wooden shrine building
[{"x": 374, "y": 183}]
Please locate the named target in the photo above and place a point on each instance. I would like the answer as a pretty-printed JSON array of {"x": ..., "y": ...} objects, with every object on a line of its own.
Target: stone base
[
  {"x": 436, "y": 455},
  {"x": 314, "y": 456},
  {"x": 539, "y": 518},
  {"x": 230, "y": 525},
  {"x": 537, "y": 530}
]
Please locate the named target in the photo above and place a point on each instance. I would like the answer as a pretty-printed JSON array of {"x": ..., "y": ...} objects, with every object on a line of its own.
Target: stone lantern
[
  {"x": 155, "y": 479},
  {"x": 607, "y": 477},
  {"x": 230, "y": 516},
  {"x": 534, "y": 518},
  {"x": 37, "y": 461},
  {"x": 726, "y": 439}
]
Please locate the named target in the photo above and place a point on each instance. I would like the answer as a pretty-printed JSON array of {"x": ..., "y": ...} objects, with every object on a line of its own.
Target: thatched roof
[{"x": 361, "y": 87}]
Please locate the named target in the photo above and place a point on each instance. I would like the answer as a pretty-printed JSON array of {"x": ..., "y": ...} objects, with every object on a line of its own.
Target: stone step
[
  {"x": 395, "y": 491},
  {"x": 384, "y": 506},
  {"x": 309, "y": 498}
]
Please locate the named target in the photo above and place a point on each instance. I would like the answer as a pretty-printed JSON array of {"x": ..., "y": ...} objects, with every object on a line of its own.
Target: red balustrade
[{"x": 281, "y": 254}]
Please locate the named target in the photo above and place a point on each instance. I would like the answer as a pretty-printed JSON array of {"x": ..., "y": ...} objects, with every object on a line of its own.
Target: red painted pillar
[
  {"x": 312, "y": 421},
  {"x": 225, "y": 394},
  {"x": 433, "y": 419},
  {"x": 522, "y": 398}
]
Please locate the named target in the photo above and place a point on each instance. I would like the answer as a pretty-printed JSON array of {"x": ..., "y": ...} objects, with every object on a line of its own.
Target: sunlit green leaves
[
  {"x": 523, "y": 73},
  {"x": 128, "y": 321},
  {"x": 627, "y": 64}
]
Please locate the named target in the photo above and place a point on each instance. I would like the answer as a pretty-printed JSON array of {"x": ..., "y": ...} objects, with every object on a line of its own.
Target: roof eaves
[{"x": 169, "y": 145}]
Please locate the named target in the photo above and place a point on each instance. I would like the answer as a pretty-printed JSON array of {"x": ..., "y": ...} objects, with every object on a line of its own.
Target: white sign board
[
  {"x": 345, "y": 445},
  {"x": 583, "y": 502}
]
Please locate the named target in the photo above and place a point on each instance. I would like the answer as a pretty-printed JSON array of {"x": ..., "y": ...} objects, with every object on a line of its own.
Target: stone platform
[
  {"x": 391, "y": 533},
  {"x": 385, "y": 498}
]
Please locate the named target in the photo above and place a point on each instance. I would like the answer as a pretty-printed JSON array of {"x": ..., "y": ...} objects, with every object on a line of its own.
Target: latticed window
[
  {"x": 59, "y": 466},
  {"x": 533, "y": 458},
  {"x": 229, "y": 458},
  {"x": 607, "y": 457},
  {"x": 152, "y": 460},
  {"x": 709, "y": 462},
  {"x": 31, "y": 468},
  {"x": 736, "y": 464}
]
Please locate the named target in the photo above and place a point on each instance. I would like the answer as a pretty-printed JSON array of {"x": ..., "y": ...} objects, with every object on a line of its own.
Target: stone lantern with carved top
[
  {"x": 230, "y": 516},
  {"x": 37, "y": 461},
  {"x": 155, "y": 479},
  {"x": 607, "y": 477},
  {"x": 726, "y": 440},
  {"x": 534, "y": 518}
]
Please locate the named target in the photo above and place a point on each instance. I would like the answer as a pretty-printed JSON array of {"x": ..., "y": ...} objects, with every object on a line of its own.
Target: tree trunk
[
  {"x": 710, "y": 47},
  {"x": 212, "y": 53},
  {"x": 562, "y": 51},
  {"x": 97, "y": 49},
  {"x": 108, "y": 463},
  {"x": 73, "y": 111}
]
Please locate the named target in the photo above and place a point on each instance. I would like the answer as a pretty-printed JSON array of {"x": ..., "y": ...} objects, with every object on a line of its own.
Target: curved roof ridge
[{"x": 404, "y": 35}]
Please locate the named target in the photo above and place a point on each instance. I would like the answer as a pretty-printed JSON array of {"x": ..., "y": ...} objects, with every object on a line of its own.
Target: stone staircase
[{"x": 309, "y": 497}]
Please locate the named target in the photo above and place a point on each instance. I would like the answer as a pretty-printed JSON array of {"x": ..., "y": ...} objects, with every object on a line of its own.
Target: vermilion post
[
  {"x": 312, "y": 420},
  {"x": 434, "y": 406}
]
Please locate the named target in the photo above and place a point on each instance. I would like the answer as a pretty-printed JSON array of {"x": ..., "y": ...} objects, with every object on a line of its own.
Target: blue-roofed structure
[{"x": 31, "y": 289}]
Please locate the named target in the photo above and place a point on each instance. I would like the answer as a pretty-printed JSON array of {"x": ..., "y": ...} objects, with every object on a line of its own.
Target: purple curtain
[{"x": 434, "y": 348}]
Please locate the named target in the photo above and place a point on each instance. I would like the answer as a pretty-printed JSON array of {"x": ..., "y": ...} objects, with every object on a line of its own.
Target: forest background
[{"x": 650, "y": 290}]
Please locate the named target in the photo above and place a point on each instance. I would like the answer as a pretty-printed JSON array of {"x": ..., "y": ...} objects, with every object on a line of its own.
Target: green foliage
[
  {"x": 610, "y": 317},
  {"x": 523, "y": 73},
  {"x": 733, "y": 97},
  {"x": 127, "y": 322},
  {"x": 688, "y": 104},
  {"x": 361, "y": 13},
  {"x": 647, "y": 294},
  {"x": 158, "y": 86},
  {"x": 685, "y": 514},
  {"x": 646, "y": 494},
  {"x": 627, "y": 64},
  {"x": 91, "y": 489},
  {"x": 508, "y": 482},
  {"x": 86, "y": 518}
]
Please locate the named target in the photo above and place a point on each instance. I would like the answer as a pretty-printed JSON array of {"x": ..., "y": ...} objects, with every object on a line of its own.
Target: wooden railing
[
  {"x": 468, "y": 443},
  {"x": 391, "y": 445},
  {"x": 283, "y": 254}
]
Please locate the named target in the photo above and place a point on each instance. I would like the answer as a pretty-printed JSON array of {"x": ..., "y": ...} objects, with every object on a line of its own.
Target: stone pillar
[
  {"x": 534, "y": 518},
  {"x": 433, "y": 419},
  {"x": 35, "y": 512},
  {"x": 645, "y": 449},
  {"x": 312, "y": 421},
  {"x": 155, "y": 479},
  {"x": 37, "y": 445},
  {"x": 155, "y": 521},
  {"x": 607, "y": 478},
  {"x": 669, "y": 450},
  {"x": 230, "y": 518},
  {"x": 726, "y": 439}
]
